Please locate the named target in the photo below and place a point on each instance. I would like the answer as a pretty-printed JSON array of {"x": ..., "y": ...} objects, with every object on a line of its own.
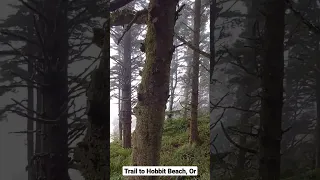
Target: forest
[{"x": 229, "y": 86}]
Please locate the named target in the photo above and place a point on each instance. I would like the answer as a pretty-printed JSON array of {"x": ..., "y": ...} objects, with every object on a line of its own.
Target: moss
[
  {"x": 175, "y": 149},
  {"x": 93, "y": 152}
]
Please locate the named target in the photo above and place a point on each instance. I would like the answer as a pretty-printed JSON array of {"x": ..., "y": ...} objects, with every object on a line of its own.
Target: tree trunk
[
  {"x": 120, "y": 110},
  {"x": 94, "y": 149},
  {"x": 187, "y": 88},
  {"x": 30, "y": 123},
  {"x": 55, "y": 90},
  {"x": 272, "y": 91},
  {"x": 317, "y": 158},
  {"x": 194, "y": 134},
  {"x": 40, "y": 130},
  {"x": 126, "y": 91},
  {"x": 213, "y": 17},
  {"x": 30, "y": 139},
  {"x": 173, "y": 85},
  {"x": 153, "y": 91}
]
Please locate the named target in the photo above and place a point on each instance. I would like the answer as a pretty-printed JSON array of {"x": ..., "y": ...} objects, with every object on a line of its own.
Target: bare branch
[{"x": 234, "y": 143}]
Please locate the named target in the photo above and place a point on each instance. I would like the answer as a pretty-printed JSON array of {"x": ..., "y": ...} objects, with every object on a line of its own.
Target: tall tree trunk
[
  {"x": 213, "y": 17},
  {"x": 120, "y": 110},
  {"x": 94, "y": 149},
  {"x": 30, "y": 138},
  {"x": 55, "y": 91},
  {"x": 317, "y": 157},
  {"x": 186, "y": 93},
  {"x": 173, "y": 85},
  {"x": 39, "y": 134},
  {"x": 30, "y": 123},
  {"x": 194, "y": 134},
  {"x": 126, "y": 91},
  {"x": 270, "y": 134},
  {"x": 153, "y": 91}
]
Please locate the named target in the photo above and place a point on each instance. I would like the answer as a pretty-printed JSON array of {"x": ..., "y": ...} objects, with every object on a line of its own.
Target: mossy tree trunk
[
  {"x": 194, "y": 133},
  {"x": 270, "y": 133},
  {"x": 153, "y": 90},
  {"x": 94, "y": 148}
]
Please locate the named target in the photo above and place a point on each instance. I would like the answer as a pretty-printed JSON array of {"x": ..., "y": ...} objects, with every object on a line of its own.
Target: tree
[
  {"x": 272, "y": 91},
  {"x": 126, "y": 91},
  {"x": 153, "y": 91},
  {"x": 194, "y": 134}
]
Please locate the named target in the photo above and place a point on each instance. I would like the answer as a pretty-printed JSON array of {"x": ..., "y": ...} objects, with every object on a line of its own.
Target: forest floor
[{"x": 176, "y": 151}]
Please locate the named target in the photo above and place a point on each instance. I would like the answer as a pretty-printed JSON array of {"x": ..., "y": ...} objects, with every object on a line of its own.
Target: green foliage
[
  {"x": 118, "y": 157},
  {"x": 175, "y": 150}
]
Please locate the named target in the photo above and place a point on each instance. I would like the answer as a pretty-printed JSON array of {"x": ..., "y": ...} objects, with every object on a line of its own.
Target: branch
[
  {"x": 19, "y": 36},
  {"x": 191, "y": 46},
  {"x": 126, "y": 16},
  {"x": 137, "y": 15},
  {"x": 34, "y": 10},
  {"x": 312, "y": 27},
  {"x": 117, "y": 4},
  {"x": 235, "y": 144}
]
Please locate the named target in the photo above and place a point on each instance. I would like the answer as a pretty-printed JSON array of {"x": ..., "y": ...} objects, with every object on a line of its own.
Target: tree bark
[
  {"x": 30, "y": 123},
  {"x": 55, "y": 90},
  {"x": 153, "y": 90},
  {"x": 126, "y": 91},
  {"x": 120, "y": 110},
  {"x": 173, "y": 85},
  {"x": 94, "y": 149},
  {"x": 187, "y": 88},
  {"x": 40, "y": 130},
  {"x": 213, "y": 14},
  {"x": 194, "y": 134},
  {"x": 317, "y": 158},
  {"x": 272, "y": 91}
]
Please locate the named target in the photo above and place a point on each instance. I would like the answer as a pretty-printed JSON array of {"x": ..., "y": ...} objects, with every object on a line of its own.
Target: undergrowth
[{"x": 175, "y": 151}]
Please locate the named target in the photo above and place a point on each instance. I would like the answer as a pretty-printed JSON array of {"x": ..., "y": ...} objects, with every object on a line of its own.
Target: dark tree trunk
[
  {"x": 30, "y": 125},
  {"x": 213, "y": 17},
  {"x": 94, "y": 149},
  {"x": 126, "y": 91},
  {"x": 194, "y": 134},
  {"x": 317, "y": 158},
  {"x": 153, "y": 90},
  {"x": 30, "y": 139},
  {"x": 270, "y": 134},
  {"x": 55, "y": 91},
  {"x": 40, "y": 130}
]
